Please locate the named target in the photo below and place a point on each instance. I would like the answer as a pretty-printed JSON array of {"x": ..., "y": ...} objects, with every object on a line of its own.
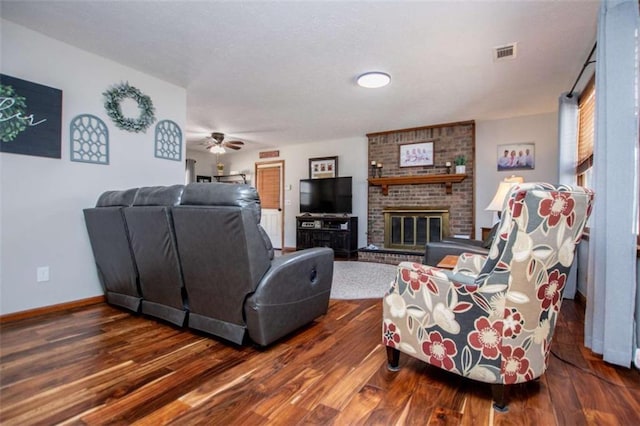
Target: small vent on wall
[{"x": 508, "y": 51}]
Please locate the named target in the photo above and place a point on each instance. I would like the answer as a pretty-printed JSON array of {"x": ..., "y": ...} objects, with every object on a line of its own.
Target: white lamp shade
[{"x": 504, "y": 188}]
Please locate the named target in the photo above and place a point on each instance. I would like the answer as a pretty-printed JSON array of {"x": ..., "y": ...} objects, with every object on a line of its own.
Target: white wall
[
  {"x": 541, "y": 129},
  {"x": 352, "y": 161},
  {"x": 41, "y": 222}
]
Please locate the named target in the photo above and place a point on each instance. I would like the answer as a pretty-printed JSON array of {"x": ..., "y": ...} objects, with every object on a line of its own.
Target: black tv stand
[{"x": 337, "y": 232}]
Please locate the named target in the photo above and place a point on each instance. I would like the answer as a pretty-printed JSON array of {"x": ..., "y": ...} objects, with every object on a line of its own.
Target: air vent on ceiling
[{"x": 508, "y": 51}]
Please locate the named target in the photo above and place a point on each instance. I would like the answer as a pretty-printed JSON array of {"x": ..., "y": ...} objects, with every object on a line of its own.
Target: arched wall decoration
[
  {"x": 168, "y": 141},
  {"x": 117, "y": 94},
  {"x": 89, "y": 139}
]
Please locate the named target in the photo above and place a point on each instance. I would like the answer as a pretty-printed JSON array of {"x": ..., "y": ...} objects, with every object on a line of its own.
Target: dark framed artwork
[
  {"x": 416, "y": 154},
  {"x": 205, "y": 179},
  {"x": 30, "y": 117},
  {"x": 516, "y": 156},
  {"x": 323, "y": 167}
]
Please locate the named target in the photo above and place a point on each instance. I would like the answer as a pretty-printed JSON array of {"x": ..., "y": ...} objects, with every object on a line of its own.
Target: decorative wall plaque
[
  {"x": 31, "y": 118},
  {"x": 89, "y": 139},
  {"x": 168, "y": 141}
]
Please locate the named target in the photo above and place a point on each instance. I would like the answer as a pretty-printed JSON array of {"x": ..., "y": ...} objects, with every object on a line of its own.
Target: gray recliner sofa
[
  {"x": 234, "y": 284},
  {"x": 204, "y": 260},
  {"x": 434, "y": 252},
  {"x": 153, "y": 241},
  {"x": 109, "y": 239}
]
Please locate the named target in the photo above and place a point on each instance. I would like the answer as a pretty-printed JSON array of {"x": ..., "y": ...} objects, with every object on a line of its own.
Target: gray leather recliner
[
  {"x": 109, "y": 239},
  {"x": 436, "y": 251},
  {"x": 152, "y": 236},
  {"x": 235, "y": 285}
]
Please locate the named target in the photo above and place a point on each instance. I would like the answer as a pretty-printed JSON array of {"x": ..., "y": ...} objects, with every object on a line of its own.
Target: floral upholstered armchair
[{"x": 492, "y": 318}]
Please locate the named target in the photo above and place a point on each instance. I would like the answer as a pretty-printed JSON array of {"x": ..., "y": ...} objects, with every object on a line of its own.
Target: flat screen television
[{"x": 328, "y": 195}]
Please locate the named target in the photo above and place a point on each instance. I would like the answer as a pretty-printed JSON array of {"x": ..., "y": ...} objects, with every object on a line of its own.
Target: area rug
[{"x": 361, "y": 280}]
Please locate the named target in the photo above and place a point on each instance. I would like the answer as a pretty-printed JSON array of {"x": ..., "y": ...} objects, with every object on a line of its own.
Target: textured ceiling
[{"x": 273, "y": 73}]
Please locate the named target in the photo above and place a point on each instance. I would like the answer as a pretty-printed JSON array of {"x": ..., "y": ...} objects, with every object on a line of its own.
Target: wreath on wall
[{"x": 116, "y": 94}]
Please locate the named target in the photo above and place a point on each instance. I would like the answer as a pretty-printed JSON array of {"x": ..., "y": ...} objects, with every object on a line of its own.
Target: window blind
[{"x": 586, "y": 118}]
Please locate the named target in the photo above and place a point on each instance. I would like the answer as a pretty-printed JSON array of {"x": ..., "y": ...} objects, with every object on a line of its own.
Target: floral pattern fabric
[{"x": 492, "y": 318}]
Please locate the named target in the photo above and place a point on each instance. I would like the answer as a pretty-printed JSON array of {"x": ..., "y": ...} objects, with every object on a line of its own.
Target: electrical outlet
[{"x": 42, "y": 274}]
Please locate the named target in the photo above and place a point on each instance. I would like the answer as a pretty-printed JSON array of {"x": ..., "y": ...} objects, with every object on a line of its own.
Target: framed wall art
[
  {"x": 520, "y": 156},
  {"x": 323, "y": 167},
  {"x": 416, "y": 154},
  {"x": 31, "y": 116},
  {"x": 203, "y": 179}
]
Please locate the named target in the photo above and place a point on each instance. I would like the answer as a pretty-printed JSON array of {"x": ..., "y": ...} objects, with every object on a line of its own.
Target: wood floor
[{"x": 98, "y": 365}]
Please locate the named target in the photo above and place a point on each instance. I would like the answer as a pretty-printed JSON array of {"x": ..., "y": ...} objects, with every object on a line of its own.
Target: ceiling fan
[{"x": 216, "y": 143}]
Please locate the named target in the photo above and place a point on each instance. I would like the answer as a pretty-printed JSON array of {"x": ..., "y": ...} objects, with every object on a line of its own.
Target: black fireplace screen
[{"x": 411, "y": 230}]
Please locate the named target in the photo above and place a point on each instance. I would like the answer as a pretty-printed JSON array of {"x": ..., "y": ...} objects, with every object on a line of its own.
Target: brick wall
[
  {"x": 389, "y": 258},
  {"x": 449, "y": 140}
]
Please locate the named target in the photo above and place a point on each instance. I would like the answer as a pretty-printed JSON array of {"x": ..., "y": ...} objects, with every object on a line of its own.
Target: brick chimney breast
[{"x": 449, "y": 140}]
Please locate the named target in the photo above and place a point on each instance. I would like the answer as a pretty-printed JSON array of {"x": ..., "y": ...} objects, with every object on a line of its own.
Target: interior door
[{"x": 269, "y": 183}]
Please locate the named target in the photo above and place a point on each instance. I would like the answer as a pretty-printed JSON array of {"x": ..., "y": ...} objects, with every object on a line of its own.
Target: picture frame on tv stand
[{"x": 323, "y": 167}]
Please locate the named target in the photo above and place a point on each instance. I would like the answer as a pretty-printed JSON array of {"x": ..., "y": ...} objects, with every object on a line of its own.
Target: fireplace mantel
[{"x": 447, "y": 179}]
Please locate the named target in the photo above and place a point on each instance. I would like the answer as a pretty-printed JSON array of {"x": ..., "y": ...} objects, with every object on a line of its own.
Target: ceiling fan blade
[
  {"x": 232, "y": 147},
  {"x": 235, "y": 142}
]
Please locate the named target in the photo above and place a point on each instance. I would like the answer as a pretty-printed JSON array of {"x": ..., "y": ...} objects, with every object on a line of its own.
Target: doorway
[{"x": 270, "y": 186}]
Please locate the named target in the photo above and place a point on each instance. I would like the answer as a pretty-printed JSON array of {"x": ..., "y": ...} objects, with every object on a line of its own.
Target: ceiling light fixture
[
  {"x": 374, "y": 79},
  {"x": 217, "y": 149}
]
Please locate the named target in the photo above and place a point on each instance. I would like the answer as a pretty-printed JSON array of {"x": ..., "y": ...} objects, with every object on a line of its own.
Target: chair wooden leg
[
  {"x": 499, "y": 402},
  {"x": 393, "y": 359}
]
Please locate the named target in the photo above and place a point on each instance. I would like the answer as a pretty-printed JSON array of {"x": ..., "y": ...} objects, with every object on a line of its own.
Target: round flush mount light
[{"x": 374, "y": 79}]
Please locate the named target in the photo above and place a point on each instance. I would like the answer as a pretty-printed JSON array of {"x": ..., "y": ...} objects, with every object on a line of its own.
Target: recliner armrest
[
  {"x": 307, "y": 272},
  {"x": 434, "y": 252},
  {"x": 291, "y": 294}
]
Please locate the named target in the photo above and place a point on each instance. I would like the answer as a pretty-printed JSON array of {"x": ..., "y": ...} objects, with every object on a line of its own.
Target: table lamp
[{"x": 503, "y": 190}]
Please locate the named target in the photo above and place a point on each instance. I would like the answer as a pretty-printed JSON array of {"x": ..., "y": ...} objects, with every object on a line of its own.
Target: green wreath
[{"x": 114, "y": 96}]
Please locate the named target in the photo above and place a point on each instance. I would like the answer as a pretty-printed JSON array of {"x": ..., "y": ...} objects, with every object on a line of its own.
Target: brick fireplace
[{"x": 436, "y": 190}]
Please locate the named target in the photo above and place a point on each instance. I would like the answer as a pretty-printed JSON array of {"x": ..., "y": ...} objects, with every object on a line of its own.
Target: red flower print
[
  {"x": 486, "y": 337},
  {"x": 439, "y": 350},
  {"x": 390, "y": 335},
  {"x": 549, "y": 293},
  {"x": 465, "y": 288},
  {"x": 417, "y": 279},
  {"x": 516, "y": 203},
  {"x": 560, "y": 204},
  {"x": 514, "y": 364},
  {"x": 512, "y": 322}
]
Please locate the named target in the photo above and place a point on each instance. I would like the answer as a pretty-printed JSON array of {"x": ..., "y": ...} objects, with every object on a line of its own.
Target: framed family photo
[
  {"x": 205, "y": 179},
  {"x": 416, "y": 154},
  {"x": 519, "y": 156},
  {"x": 323, "y": 167}
]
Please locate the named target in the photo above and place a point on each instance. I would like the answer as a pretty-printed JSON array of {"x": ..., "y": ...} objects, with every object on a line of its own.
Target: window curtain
[
  {"x": 612, "y": 281},
  {"x": 190, "y": 170},
  {"x": 567, "y": 157},
  {"x": 567, "y": 137}
]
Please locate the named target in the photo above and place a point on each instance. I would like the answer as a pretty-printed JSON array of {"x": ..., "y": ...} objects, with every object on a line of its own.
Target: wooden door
[{"x": 269, "y": 183}]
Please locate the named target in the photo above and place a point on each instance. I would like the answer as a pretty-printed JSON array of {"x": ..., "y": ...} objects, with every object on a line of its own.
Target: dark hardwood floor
[{"x": 98, "y": 364}]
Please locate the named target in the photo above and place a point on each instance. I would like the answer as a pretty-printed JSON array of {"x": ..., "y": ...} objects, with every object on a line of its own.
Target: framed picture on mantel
[
  {"x": 416, "y": 154},
  {"x": 323, "y": 167}
]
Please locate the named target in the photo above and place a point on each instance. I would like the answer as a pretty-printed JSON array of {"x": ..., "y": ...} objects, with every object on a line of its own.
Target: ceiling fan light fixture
[
  {"x": 217, "y": 149},
  {"x": 374, "y": 79}
]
